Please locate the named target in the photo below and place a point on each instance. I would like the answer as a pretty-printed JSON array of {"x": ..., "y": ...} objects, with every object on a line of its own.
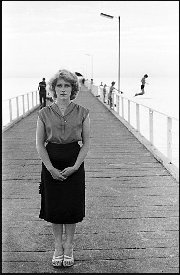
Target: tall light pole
[
  {"x": 111, "y": 17},
  {"x": 91, "y": 63}
]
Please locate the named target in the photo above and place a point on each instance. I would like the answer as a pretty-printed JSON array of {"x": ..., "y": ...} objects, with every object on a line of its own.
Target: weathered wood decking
[{"x": 131, "y": 223}]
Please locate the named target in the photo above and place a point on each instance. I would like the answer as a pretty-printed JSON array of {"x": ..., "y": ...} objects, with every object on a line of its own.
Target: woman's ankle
[
  {"x": 68, "y": 245},
  {"x": 58, "y": 249}
]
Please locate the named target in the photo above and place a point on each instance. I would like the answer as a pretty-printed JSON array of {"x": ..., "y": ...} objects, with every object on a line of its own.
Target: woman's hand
[
  {"x": 57, "y": 174},
  {"x": 68, "y": 171}
]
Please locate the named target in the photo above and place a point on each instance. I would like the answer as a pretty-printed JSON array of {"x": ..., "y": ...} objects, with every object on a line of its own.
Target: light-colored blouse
[{"x": 65, "y": 128}]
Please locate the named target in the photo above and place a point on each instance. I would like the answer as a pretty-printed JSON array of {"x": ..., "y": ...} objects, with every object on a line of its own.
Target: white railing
[
  {"x": 15, "y": 108},
  {"x": 160, "y": 130}
]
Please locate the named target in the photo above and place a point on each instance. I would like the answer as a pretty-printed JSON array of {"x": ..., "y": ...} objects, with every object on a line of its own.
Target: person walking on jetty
[
  {"x": 42, "y": 93},
  {"x": 60, "y": 128},
  {"x": 110, "y": 94},
  {"x": 143, "y": 81}
]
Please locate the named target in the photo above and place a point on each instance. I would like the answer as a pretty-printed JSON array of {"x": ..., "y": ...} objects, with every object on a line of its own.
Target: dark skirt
[{"x": 63, "y": 202}]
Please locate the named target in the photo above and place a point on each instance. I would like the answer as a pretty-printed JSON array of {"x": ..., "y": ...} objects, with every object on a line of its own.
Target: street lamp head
[
  {"x": 107, "y": 15},
  {"x": 111, "y": 17}
]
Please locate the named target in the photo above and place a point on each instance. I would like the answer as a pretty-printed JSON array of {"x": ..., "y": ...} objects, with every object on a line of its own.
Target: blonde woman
[{"x": 60, "y": 127}]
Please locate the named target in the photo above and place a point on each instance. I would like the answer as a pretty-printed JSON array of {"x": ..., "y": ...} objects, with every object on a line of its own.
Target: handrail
[
  {"x": 4, "y": 100},
  {"x": 144, "y": 105},
  {"x": 23, "y": 104},
  {"x": 120, "y": 110}
]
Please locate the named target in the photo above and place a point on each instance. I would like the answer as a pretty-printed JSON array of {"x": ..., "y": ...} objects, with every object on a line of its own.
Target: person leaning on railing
[
  {"x": 104, "y": 93},
  {"x": 110, "y": 94}
]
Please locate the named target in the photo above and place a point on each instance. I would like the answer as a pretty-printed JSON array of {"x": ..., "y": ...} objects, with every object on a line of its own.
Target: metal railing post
[
  {"x": 36, "y": 98},
  {"x": 169, "y": 138},
  {"x": 151, "y": 134},
  {"x": 129, "y": 111},
  {"x": 23, "y": 104},
  {"x": 122, "y": 101},
  {"x": 117, "y": 103},
  {"x": 113, "y": 97},
  {"x": 28, "y": 101},
  {"x": 137, "y": 117},
  {"x": 10, "y": 110},
  {"x": 17, "y": 106},
  {"x": 32, "y": 99}
]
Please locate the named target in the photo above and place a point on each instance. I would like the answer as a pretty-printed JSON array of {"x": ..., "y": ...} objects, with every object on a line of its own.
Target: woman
[{"x": 60, "y": 127}]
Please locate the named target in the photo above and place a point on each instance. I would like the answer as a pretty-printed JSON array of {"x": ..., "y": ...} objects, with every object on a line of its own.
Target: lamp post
[
  {"x": 111, "y": 17},
  {"x": 91, "y": 63}
]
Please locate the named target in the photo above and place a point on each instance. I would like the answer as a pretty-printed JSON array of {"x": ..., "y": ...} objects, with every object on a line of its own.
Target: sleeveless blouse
[{"x": 65, "y": 128}]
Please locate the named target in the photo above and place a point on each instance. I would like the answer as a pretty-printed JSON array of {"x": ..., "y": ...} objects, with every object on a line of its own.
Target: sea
[{"x": 161, "y": 94}]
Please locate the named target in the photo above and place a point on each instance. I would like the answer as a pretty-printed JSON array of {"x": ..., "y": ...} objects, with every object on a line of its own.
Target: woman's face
[{"x": 63, "y": 89}]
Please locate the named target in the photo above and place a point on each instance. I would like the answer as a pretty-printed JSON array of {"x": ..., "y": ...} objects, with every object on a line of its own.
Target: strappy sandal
[
  {"x": 57, "y": 261},
  {"x": 68, "y": 261}
]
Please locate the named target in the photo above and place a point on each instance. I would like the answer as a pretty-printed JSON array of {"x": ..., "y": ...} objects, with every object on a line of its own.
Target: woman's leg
[
  {"x": 68, "y": 245},
  {"x": 58, "y": 232}
]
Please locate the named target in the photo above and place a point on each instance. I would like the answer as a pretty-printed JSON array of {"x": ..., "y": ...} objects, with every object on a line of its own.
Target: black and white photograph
[{"x": 90, "y": 137}]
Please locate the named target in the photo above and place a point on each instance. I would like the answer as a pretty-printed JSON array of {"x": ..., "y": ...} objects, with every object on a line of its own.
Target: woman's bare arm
[
  {"x": 40, "y": 145},
  {"x": 86, "y": 143},
  {"x": 42, "y": 152},
  {"x": 84, "y": 149}
]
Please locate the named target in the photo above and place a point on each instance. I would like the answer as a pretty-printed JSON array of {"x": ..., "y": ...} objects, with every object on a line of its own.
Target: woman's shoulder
[
  {"x": 44, "y": 112},
  {"x": 45, "y": 109},
  {"x": 80, "y": 107},
  {"x": 82, "y": 111}
]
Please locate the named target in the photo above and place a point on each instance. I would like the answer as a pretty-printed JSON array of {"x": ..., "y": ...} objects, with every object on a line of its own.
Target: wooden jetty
[{"x": 131, "y": 223}]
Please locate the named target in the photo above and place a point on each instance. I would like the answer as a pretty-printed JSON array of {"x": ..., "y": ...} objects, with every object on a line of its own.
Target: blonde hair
[{"x": 67, "y": 76}]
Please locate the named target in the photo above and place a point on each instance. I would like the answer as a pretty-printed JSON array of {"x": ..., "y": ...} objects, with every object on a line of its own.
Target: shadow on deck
[{"x": 131, "y": 223}]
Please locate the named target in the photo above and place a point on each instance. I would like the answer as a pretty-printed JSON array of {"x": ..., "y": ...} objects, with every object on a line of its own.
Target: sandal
[
  {"x": 57, "y": 261},
  {"x": 68, "y": 261}
]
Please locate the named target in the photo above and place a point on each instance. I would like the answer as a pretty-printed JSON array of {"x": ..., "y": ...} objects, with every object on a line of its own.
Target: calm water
[{"x": 161, "y": 94}]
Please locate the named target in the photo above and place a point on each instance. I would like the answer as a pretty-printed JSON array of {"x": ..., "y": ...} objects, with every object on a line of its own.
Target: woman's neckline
[{"x": 63, "y": 110}]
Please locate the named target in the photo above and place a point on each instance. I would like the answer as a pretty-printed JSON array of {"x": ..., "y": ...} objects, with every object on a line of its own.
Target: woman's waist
[
  {"x": 63, "y": 145},
  {"x": 63, "y": 152}
]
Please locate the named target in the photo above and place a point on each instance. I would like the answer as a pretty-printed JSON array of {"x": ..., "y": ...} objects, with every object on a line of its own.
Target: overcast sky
[{"x": 39, "y": 37}]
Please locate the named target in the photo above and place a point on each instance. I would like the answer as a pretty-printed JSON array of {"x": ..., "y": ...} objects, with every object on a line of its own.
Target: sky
[{"x": 40, "y": 37}]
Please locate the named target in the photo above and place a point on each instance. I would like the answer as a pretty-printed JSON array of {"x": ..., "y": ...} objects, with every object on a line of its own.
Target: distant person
[
  {"x": 104, "y": 93},
  {"x": 110, "y": 94},
  {"x": 42, "y": 93},
  {"x": 143, "y": 81},
  {"x": 83, "y": 81}
]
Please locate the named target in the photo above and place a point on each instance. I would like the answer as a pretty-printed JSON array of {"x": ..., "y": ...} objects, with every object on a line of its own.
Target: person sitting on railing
[
  {"x": 110, "y": 94},
  {"x": 143, "y": 81},
  {"x": 42, "y": 93}
]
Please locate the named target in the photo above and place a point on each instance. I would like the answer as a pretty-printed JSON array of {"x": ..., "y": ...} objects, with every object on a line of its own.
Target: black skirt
[{"x": 63, "y": 202}]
